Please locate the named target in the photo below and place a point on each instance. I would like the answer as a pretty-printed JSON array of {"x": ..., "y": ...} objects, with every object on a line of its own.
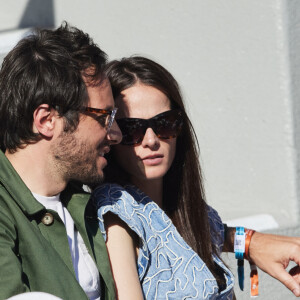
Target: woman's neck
[{"x": 152, "y": 188}]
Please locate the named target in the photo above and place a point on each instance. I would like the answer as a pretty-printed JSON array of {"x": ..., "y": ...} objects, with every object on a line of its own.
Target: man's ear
[{"x": 44, "y": 118}]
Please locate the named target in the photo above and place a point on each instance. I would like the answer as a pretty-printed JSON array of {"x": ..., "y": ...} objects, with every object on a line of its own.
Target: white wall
[{"x": 237, "y": 63}]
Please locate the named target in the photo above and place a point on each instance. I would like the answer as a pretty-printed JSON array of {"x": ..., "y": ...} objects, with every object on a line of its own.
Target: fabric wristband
[
  {"x": 239, "y": 243},
  {"x": 239, "y": 250},
  {"x": 254, "y": 273},
  {"x": 248, "y": 233},
  {"x": 242, "y": 241},
  {"x": 253, "y": 281}
]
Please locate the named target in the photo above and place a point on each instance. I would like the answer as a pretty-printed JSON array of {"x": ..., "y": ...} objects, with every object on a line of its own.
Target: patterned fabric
[{"x": 167, "y": 266}]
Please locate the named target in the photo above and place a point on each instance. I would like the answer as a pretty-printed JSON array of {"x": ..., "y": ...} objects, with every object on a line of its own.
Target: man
[{"x": 56, "y": 125}]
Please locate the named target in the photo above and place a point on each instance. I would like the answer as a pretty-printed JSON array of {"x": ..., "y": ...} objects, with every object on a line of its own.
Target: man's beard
[{"x": 76, "y": 161}]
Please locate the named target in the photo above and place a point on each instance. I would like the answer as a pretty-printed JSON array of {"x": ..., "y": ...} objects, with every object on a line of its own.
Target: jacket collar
[{"x": 18, "y": 190}]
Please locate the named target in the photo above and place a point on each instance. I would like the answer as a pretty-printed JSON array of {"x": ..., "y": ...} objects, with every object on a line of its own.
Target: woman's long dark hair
[{"x": 183, "y": 191}]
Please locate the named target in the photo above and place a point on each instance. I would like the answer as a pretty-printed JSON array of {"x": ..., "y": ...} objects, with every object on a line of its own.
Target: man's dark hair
[{"x": 46, "y": 67}]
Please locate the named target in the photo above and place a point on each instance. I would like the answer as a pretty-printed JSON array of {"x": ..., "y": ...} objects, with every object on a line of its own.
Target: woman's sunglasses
[{"x": 166, "y": 125}]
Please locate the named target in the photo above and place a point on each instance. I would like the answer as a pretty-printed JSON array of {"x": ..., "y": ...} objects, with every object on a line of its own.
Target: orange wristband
[
  {"x": 248, "y": 233},
  {"x": 253, "y": 281},
  {"x": 253, "y": 274}
]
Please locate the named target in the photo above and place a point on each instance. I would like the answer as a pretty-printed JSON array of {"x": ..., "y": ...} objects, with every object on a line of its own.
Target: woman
[
  {"x": 159, "y": 158},
  {"x": 162, "y": 238}
]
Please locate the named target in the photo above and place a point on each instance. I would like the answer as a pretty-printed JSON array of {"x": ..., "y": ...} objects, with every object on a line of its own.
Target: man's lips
[{"x": 104, "y": 151}]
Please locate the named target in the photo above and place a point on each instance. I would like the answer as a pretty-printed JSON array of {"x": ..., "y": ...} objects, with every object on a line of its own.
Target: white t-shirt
[{"x": 85, "y": 268}]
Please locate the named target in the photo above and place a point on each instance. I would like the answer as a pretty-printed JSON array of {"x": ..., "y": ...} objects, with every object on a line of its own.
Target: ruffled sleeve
[{"x": 115, "y": 199}]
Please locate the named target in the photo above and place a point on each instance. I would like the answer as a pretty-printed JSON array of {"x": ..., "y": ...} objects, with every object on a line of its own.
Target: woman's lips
[{"x": 152, "y": 160}]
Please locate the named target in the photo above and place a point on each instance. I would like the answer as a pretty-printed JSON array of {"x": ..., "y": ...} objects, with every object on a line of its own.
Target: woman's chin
[{"x": 154, "y": 175}]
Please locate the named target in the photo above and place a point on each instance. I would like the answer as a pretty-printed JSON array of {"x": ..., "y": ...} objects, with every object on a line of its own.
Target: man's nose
[{"x": 114, "y": 135}]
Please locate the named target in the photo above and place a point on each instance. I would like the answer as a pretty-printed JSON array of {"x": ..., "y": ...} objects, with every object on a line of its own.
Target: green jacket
[{"x": 36, "y": 257}]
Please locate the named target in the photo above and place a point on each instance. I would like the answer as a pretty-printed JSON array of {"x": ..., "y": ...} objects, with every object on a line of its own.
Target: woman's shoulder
[
  {"x": 106, "y": 191},
  {"x": 127, "y": 202},
  {"x": 110, "y": 193},
  {"x": 113, "y": 191}
]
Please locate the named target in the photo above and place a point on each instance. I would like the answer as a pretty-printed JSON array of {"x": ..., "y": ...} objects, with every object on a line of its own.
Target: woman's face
[{"x": 152, "y": 158}]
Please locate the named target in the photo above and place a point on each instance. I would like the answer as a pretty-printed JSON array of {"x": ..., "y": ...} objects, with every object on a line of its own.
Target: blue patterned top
[{"x": 168, "y": 268}]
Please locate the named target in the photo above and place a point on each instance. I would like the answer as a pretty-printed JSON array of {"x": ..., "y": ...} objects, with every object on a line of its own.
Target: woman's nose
[{"x": 150, "y": 139}]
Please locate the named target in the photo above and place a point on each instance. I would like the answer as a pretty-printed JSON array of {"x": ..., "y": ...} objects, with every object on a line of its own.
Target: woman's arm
[{"x": 122, "y": 247}]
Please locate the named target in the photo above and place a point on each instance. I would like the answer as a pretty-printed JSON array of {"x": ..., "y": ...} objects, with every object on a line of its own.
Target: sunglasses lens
[
  {"x": 132, "y": 130},
  {"x": 165, "y": 125},
  {"x": 168, "y": 125}
]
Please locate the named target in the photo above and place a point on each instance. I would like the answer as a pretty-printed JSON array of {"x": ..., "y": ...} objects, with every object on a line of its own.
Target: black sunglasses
[{"x": 166, "y": 125}]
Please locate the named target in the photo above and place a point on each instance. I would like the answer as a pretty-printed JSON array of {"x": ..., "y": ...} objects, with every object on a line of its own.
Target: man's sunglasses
[
  {"x": 166, "y": 125},
  {"x": 103, "y": 116}
]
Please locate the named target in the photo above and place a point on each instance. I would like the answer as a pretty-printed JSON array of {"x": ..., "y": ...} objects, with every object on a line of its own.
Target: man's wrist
[
  {"x": 229, "y": 239},
  {"x": 249, "y": 234},
  {"x": 229, "y": 236}
]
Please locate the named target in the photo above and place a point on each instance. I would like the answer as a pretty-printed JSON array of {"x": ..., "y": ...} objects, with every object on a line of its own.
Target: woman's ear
[{"x": 44, "y": 118}]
